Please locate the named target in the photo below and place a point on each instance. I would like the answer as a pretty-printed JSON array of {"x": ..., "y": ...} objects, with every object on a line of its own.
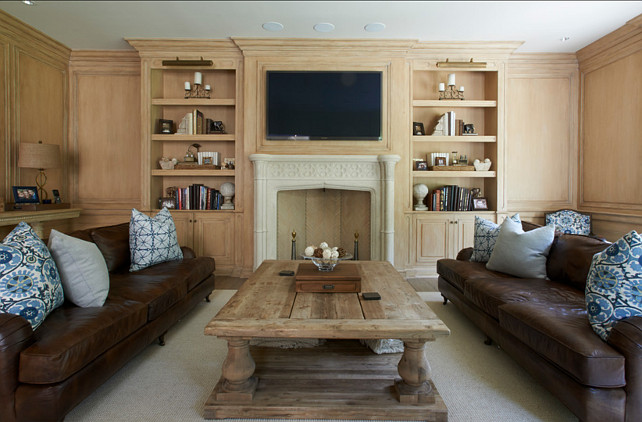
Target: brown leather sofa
[
  {"x": 543, "y": 325},
  {"x": 45, "y": 373}
]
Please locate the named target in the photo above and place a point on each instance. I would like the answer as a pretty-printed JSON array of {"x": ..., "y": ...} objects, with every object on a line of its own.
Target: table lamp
[{"x": 39, "y": 156}]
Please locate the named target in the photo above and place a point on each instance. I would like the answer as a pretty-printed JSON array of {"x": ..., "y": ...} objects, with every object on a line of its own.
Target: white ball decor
[
  {"x": 419, "y": 191},
  {"x": 227, "y": 190}
]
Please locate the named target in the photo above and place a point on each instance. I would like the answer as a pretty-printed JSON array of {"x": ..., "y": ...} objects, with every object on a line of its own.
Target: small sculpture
[
  {"x": 227, "y": 190},
  {"x": 420, "y": 191},
  {"x": 440, "y": 128},
  {"x": 479, "y": 166}
]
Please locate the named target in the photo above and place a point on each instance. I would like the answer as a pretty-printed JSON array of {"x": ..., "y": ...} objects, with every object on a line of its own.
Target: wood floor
[{"x": 233, "y": 283}]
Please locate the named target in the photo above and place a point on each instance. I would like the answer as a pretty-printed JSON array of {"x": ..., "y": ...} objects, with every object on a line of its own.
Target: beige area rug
[{"x": 172, "y": 383}]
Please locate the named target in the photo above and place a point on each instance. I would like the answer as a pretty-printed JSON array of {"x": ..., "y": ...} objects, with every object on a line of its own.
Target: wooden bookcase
[
  {"x": 208, "y": 232},
  {"x": 441, "y": 234}
]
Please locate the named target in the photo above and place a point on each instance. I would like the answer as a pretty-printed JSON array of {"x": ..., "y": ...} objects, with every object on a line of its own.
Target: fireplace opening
[{"x": 323, "y": 215}]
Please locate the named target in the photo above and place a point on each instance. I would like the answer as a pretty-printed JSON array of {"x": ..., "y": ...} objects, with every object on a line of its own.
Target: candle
[
  {"x": 461, "y": 88},
  {"x": 187, "y": 86},
  {"x": 451, "y": 79},
  {"x": 442, "y": 87},
  {"x": 198, "y": 78},
  {"x": 207, "y": 87}
]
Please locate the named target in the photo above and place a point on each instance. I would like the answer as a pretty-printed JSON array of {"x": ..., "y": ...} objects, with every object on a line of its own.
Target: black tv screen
[{"x": 312, "y": 105}]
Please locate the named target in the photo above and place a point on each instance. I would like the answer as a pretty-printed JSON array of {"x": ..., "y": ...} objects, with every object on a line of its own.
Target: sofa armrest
[
  {"x": 626, "y": 338},
  {"x": 465, "y": 254},
  {"x": 15, "y": 336},
  {"x": 188, "y": 252}
]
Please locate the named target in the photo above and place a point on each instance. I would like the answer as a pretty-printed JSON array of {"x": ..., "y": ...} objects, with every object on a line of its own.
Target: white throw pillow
[
  {"x": 152, "y": 240},
  {"x": 83, "y": 271},
  {"x": 486, "y": 233},
  {"x": 520, "y": 253}
]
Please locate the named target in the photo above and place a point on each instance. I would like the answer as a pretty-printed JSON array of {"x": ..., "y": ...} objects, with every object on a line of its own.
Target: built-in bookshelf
[{"x": 479, "y": 108}]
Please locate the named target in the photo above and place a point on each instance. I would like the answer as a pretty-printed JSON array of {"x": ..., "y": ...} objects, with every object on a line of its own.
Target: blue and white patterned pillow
[
  {"x": 614, "y": 284},
  {"x": 486, "y": 233},
  {"x": 152, "y": 240},
  {"x": 570, "y": 222},
  {"x": 29, "y": 280}
]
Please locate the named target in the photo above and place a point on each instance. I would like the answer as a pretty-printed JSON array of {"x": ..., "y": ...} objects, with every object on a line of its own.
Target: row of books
[
  {"x": 198, "y": 197},
  {"x": 450, "y": 198},
  {"x": 195, "y": 123},
  {"x": 453, "y": 126}
]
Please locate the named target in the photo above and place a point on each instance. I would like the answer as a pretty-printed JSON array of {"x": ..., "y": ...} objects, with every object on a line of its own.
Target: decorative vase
[
  {"x": 419, "y": 192},
  {"x": 227, "y": 190}
]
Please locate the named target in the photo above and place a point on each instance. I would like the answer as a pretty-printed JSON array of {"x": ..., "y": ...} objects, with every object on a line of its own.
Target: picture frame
[
  {"x": 440, "y": 161},
  {"x": 56, "y": 194},
  {"x": 229, "y": 162},
  {"x": 480, "y": 204},
  {"x": 418, "y": 129},
  {"x": 167, "y": 202},
  {"x": 207, "y": 161},
  {"x": 421, "y": 165},
  {"x": 165, "y": 126},
  {"x": 25, "y": 195}
]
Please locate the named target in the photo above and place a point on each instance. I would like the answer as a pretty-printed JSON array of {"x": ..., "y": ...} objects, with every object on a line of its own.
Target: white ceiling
[{"x": 82, "y": 25}]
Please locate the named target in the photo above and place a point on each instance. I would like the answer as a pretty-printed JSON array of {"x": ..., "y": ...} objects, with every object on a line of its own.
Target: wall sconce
[{"x": 39, "y": 156}]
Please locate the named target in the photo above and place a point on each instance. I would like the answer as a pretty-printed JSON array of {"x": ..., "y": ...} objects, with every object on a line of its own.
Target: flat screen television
[{"x": 331, "y": 105}]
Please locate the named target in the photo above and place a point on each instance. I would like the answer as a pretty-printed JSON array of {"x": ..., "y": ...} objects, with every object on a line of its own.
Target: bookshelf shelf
[
  {"x": 226, "y": 137},
  {"x": 452, "y": 174},
  {"x": 473, "y": 138},
  {"x": 194, "y": 102},
  {"x": 204, "y": 173}
]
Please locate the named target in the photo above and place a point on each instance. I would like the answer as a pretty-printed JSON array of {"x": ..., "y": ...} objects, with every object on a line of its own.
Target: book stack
[
  {"x": 450, "y": 198},
  {"x": 198, "y": 197}
]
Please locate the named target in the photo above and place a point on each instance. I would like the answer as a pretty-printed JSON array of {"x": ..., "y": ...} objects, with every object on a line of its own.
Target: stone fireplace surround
[{"x": 372, "y": 173}]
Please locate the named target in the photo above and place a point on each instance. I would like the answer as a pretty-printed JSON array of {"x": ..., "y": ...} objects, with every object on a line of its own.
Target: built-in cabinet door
[
  {"x": 465, "y": 229},
  {"x": 214, "y": 236},
  {"x": 432, "y": 238},
  {"x": 184, "y": 228}
]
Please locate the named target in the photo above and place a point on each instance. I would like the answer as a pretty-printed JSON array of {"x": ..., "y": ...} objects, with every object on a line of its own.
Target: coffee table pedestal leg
[
  {"x": 238, "y": 368},
  {"x": 414, "y": 387}
]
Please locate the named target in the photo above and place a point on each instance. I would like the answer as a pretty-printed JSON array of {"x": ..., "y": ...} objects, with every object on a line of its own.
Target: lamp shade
[{"x": 38, "y": 156}]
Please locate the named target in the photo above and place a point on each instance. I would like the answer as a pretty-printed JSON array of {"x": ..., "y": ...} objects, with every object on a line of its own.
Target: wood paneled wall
[
  {"x": 33, "y": 107},
  {"x": 559, "y": 150},
  {"x": 105, "y": 139},
  {"x": 541, "y": 132},
  {"x": 610, "y": 185}
]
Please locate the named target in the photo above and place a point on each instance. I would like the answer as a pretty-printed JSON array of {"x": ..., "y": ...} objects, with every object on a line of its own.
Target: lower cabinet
[
  {"x": 441, "y": 235},
  {"x": 209, "y": 233}
]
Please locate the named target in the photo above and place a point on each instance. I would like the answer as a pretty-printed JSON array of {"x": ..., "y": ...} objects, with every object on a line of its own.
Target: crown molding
[
  {"x": 316, "y": 47},
  {"x": 611, "y": 47},
  {"x": 182, "y": 47},
  {"x": 464, "y": 50},
  {"x": 29, "y": 38}
]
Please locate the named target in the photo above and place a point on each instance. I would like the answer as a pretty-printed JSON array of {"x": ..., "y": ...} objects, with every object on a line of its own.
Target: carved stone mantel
[{"x": 371, "y": 173}]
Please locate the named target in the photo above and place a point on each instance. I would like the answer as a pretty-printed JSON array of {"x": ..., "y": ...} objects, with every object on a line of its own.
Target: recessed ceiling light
[
  {"x": 564, "y": 39},
  {"x": 375, "y": 27},
  {"x": 29, "y": 2},
  {"x": 273, "y": 26},
  {"x": 324, "y": 27}
]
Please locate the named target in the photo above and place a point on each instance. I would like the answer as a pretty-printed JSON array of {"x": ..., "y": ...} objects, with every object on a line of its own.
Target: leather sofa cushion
[
  {"x": 562, "y": 334},
  {"x": 458, "y": 272},
  {"x": 113, "y": 242},
  {"x": 158, "y": 292},
  {"x": 489, "y": 294},
  {"x": 569, "y": 259},
  {"x": 71, "y": 337},
  {"x": 190, "y": 271}
]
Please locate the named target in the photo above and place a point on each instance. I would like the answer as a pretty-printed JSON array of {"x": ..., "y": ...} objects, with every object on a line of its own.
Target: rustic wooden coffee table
[{"x": 340, "y": 380}]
